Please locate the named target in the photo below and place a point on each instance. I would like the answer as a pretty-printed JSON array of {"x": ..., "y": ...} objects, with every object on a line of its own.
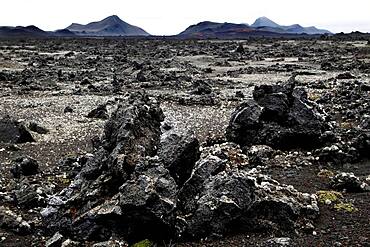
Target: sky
[{"x": 168, "y": 17}]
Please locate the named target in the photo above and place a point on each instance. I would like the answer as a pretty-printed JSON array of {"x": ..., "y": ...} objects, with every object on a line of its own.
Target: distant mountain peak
[
  {"x": 113, "y": 18},
  {"x": 109, "y": 26},
  {"x": 264, "y": 22}
]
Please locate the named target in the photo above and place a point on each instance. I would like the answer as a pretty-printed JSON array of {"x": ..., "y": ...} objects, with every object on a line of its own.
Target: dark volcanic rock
[
  {"x": 148, "y": 201},
  {"x": 29, "y": 195},
  {"x": 219, "y": 198},
  {"x": 138, "y": 187},
  {"x": 35, "y": 127},
  {"x": 131, "y": 134},
  {"x": 25, "y": 166},
  {"x": 201, "y": 87},
  {"x": 12, "y": 131},
  {"x": 279, "y": 116},
  {"x": 11, "y": 221},
  {"x": 68, "y": 109},
  {"x": 240, "y": 49},
  {"x": 100, "y": 112},
  {"x": 179, "y": 154},
  {"x": 346, "y": 75},
  {"x": 348, "y": 182}
]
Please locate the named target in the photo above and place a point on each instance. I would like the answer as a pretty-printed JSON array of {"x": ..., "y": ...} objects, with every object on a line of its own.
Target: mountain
[
  {"x": 265, "y": 24},
  {"x": 63, "y": 33},
  {"x": 19, "y": 31},
  {"x": 209, "y": 29},
  {"x": 110, "y": 26},
  {"x": 262, "y": 27}
]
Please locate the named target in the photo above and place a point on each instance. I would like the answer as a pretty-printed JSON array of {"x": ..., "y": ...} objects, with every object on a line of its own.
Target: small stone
[
  {"x": 68, "y": 109},
  {"x": 55, "y": 240},
  {"x": 25, "y": 166}
]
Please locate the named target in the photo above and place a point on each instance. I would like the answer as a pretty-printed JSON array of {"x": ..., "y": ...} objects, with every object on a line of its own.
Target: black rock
[
  {"x": 68, "y": 109},
  {"x": 131, "y": 134},
  {"x": 179, "y": 154},
  {"x": 100, "y": 112},
  {"x": 362, "y": 144},
  {"x": 137, "y": 186},
  {"x": 219, "y": 198},
  {"x": 85, "y": 82},
  {"x": 345, "y": 75},
  {"x": 348, "y": 182},
  {"x": 240, "y": 49},
  {"x": 201, "y": 87},
  {"x": 141, "y": 76},
  {"x": 148, "y": 201},
  {"x": 239, "y": 94},
  {"x": 12, "y": 131},
  {"x": 25, "y": 166},
  {"x": 28, "y": 196},
  {"x": 35, "y": 127},
  {"x": 9, "y": 220},
  {"x": 280, "y": 116},
  {"x": 259, "y": 155}
]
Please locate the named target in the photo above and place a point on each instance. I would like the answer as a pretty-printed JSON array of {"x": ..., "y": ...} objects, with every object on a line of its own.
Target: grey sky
[{"x": 165, "y": 17}]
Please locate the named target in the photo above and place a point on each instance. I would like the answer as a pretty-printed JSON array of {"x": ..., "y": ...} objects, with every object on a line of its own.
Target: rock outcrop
[{"x": 279, "y": 116}]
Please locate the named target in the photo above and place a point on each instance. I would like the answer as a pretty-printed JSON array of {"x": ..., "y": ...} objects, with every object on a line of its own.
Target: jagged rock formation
[{"x": 140, "y": 186}]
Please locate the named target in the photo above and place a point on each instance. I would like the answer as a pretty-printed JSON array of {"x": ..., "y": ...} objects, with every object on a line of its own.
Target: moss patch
[
  {"x": 325, "y": 174},
  {"x": 347, "y": 207},
  {"x": 143, "y": 243},
  {"x": 325, "y": 195}
]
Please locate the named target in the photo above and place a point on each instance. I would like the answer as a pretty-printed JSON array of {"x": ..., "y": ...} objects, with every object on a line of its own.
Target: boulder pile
[
  {"x": 142, "y": 184},
  {"x": 279, "y": 116}
]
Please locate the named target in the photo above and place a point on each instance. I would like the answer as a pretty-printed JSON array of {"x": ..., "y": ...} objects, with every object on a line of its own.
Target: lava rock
[
  {"x": 140, "y": 186},
  {"x": 240, "y": 49},
  {"x": 12, "y": 131},
  {"x": 100, "y": 112},
  {"x": 25, "y": 166},
  {"x": 35, "y": 127},
  {"x": 348, "y": 182},
  {"x": 55, "y": 241},
  {"x": 259, "y": 155},
  {"x": 201, "y": 88},
  {"x": 279, "y": 116},
  {"x": 29, "y": 195},
  {"x": 11, "y": 221},
  {"x": 148, "y": 200},
  {"x": 68, "y": 109},
  {"x": 71, "y": 243},
  {"x": 345, "y": 76},
  {"x": 277, "y": 242},
  {"x": 362, "y": 144},
  {"x": 218, "y": 198},
  {"x": 131, "y": 134},
  {"x": 179, "y": 154}
]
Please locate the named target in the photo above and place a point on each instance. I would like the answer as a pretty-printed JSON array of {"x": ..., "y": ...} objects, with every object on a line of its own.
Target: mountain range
[
  {"x": 110, "y": 26},
  {"x": 261, "y": 27},
  {"x": 265, "y": 24},
  {"x": 113, "y": 26}
]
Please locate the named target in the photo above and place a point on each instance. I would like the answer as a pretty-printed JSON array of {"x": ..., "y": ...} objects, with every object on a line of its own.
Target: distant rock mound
[
  {"x": 19, "y": 31},
  {"x": 110, "y": 26},
  {"x": 265, "y": 24}
]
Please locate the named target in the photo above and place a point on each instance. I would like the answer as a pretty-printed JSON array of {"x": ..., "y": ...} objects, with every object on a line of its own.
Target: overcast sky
[{"x": 166, "y": 17}]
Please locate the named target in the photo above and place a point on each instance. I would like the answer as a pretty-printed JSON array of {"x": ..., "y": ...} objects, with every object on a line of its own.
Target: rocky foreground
[{"x": 185, "y": 150}]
